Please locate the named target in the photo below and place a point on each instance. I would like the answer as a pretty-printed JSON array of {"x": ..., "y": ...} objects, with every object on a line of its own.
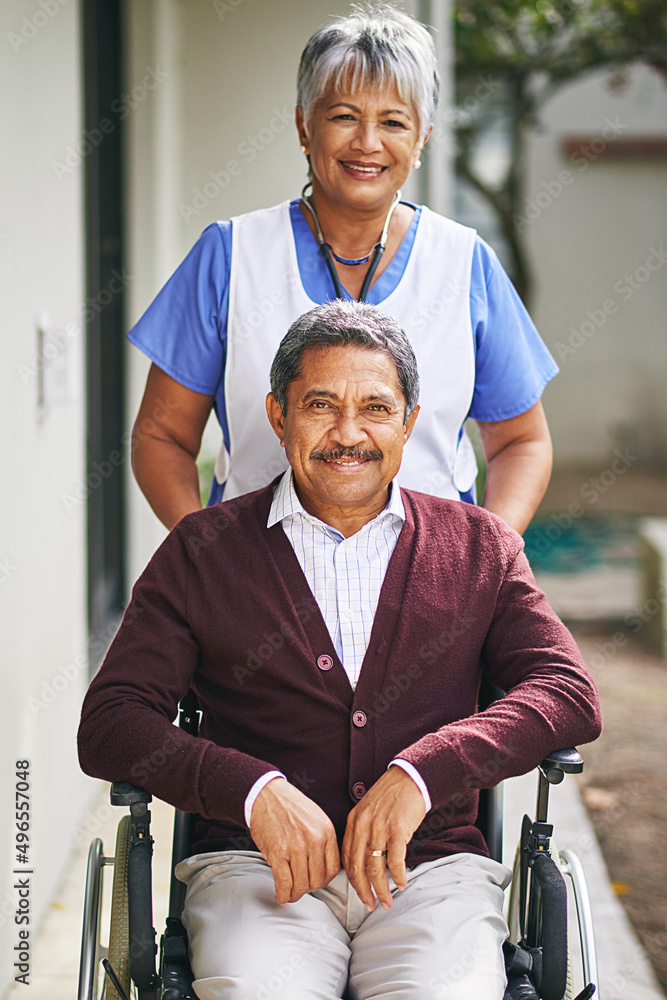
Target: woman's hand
[
  {"x": 519, "y": 458},
  {"x": 166, "y": 438}
]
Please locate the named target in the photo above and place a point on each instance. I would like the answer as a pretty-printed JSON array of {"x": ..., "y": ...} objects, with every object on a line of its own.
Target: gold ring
[{"x": 377, "y": 854}]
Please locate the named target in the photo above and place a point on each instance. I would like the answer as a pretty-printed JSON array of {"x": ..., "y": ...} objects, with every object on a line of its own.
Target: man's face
[{"x": 344, "y": 429}]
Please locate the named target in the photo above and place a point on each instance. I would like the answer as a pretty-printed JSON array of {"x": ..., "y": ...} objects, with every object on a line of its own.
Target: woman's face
[{"x": 362, "y": 146}]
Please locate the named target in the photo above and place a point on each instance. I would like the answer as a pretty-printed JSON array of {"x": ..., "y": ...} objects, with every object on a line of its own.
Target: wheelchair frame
[{"x": 536, "y": 955}]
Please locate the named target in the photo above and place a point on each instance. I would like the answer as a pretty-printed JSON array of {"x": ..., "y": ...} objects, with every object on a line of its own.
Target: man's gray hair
[
  {"x": 376, "y": 45},
  {"x": 342, "y": 324}
]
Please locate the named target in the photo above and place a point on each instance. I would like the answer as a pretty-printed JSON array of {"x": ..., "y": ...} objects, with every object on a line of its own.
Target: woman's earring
[
  {"x": 303, "y": 149},
  {"x": 417, "y": 164}
]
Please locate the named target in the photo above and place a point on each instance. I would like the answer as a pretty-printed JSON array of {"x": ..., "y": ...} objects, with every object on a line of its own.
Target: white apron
[{"x": 432, "y": 304}]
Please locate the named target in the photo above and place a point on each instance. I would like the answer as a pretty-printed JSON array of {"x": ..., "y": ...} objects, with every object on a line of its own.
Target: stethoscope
[{"x": 328, "y": 253}]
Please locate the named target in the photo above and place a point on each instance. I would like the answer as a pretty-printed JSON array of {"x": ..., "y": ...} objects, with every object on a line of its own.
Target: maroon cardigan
[{"x": 223, "y": 607}]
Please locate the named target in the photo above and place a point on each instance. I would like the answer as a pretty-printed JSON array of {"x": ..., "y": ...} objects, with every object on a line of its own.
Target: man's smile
[{"x": 346, "y": 457}]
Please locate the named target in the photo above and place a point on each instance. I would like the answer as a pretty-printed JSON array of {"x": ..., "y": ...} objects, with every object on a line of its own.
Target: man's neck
[{"x": 348, "y": 518}]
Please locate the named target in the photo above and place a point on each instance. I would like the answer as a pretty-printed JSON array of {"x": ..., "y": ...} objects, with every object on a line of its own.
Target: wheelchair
[{"x": 538, "y": 957}]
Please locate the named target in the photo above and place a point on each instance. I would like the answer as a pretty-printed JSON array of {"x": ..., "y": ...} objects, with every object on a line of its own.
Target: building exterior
[
  {"x": 596, "y": 214},
  {"x": 593, "y": 218},
  {"x": 43, "y": 598}
]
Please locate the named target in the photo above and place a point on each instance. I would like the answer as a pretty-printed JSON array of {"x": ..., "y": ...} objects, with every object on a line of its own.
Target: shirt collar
[{"x": 286, "y": 503}]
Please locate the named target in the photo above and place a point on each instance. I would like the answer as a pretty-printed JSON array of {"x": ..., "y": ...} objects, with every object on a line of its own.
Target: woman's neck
[
  {"x": 350, "y": 230},
  {"x": 352, "y": 233}
]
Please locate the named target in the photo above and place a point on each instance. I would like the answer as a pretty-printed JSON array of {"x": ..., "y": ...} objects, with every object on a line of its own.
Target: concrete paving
[
  {"x": 624, "y": 969},
  {"x": 579, "y": 597}
]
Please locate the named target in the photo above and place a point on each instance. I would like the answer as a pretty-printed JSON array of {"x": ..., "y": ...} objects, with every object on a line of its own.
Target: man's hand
[
  {"x": 296, "y": 838},
  {"x": 384, "y": 820}
]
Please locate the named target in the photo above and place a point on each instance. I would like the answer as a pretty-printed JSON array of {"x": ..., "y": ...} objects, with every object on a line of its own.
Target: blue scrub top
[{"x": 184, "y": 330}]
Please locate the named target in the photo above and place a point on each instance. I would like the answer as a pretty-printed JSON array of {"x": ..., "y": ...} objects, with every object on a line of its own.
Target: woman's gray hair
[
  {"x": 376, "y": 45},
  {"x": 342, "y": 324}
]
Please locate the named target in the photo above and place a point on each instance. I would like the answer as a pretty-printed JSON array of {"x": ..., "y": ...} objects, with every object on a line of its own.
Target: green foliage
[
  {"x": 559, "y": 38},
  {"x": 205, "y": 468},
  {"x": 513, "y": 55}
]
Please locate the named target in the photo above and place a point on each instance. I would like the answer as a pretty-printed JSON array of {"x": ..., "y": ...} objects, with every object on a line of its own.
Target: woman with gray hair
[{"x": 366, "y": 95}]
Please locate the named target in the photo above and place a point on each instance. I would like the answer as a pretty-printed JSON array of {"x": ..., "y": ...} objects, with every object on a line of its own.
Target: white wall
[
  {"x": 42, "y": 543},
  {"x": 590, "y": 239},
  {"x": 153, "y": 233}
]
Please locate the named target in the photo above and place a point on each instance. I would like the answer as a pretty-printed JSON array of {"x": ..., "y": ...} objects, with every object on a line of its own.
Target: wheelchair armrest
[
  {"x": 124, "y": 794},
  {"x": 557, "y": 764}
]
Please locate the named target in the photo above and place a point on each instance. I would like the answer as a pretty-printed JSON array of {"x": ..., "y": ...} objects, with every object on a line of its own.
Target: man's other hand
[
  {"x": 296, "y": 838},
  {"x": 384, "y": 820}
]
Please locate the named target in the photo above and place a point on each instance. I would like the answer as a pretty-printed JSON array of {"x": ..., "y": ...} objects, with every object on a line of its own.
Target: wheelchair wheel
[
  {"x": 119, "y": 930},
  {"x": 569, "y": 988},
  {"x": 571, "y": 866},
  {"x": 513, "y": 905},
  {"x": 90, "y": 931},
  {"x": 560, "y": 955}
]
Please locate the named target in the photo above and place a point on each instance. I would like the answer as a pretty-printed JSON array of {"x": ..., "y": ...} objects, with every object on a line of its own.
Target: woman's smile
[
  {"x": 361, "y": 141},
  {"x": 365, "y": 169}
]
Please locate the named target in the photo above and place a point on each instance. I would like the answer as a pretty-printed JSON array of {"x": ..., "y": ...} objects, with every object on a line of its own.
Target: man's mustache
[{"x": 354, "y": 453}]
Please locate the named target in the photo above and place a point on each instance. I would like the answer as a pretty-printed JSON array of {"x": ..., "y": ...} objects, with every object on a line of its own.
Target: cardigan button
[
  {"x": 359, "y": 790},
  {"x": 359, "y": 719},
  {"x": 324, "y": 662}
]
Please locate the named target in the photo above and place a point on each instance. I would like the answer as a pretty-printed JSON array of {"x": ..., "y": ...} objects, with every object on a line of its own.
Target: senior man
[{"x": 335, "y": 629}]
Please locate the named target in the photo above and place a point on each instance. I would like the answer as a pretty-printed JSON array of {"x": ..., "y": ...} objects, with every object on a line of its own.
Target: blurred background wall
[
  {"x": 598, "y": 245},
  {"x": 43, "y": 591}
]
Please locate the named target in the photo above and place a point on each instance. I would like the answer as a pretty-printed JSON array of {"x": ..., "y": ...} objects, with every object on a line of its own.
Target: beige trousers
[{"x": 442, "y": 938}]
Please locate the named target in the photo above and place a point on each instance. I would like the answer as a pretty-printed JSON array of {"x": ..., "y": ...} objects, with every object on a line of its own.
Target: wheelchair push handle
[
  {"x": 557, "y": 764},
  {"x": 124, "y": 794},
  {"x": 551, "y": 771}
]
